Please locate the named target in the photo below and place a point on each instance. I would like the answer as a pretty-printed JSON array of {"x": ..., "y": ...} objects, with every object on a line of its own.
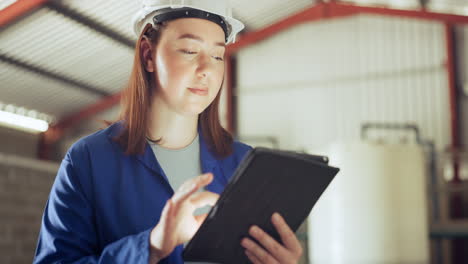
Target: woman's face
[{"x": 189, "y": 60}]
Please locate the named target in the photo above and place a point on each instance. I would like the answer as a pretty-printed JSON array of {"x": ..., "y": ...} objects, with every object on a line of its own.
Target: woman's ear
[{"x": 146, "y": 55}]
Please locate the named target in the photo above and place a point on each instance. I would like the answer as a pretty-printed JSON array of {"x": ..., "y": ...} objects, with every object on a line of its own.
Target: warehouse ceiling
[{"x": 68, "y": 54}]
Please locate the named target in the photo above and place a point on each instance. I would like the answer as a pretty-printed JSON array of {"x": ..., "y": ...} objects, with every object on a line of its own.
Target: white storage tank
[{"x": 375, "y": 210}]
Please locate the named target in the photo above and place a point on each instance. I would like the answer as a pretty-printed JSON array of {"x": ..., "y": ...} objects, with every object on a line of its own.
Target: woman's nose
[{"x": 205, "y": 66}]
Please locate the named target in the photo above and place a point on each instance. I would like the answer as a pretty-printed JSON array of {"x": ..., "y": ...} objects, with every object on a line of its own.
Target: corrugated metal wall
[{"x": 318, "y": 82}]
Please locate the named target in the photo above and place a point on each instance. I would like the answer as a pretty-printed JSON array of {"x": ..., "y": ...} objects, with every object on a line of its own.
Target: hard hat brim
[{"x": 145, "y": 16}]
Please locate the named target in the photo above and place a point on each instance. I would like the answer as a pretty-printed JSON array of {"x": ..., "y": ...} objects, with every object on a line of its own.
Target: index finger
[{"x": 191, "y": 186}]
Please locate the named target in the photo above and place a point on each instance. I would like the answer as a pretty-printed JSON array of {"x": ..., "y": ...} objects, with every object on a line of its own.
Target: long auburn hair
[{"x": 136, "y": 102}]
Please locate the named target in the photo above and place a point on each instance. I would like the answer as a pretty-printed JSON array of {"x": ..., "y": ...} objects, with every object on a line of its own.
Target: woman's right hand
[{"x": 177, "y": 224}]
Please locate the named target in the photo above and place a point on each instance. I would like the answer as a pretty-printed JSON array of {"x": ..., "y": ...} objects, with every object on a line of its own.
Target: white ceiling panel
[
  {"x": 260, "y": 13},
  {"x": 115, "y": 14},
  {"x": 60, "y": 45},
  {"x": 36, "y": 92}
]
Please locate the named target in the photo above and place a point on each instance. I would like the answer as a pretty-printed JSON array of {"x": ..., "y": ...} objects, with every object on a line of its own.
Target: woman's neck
[{"x": 177, "y": 131}]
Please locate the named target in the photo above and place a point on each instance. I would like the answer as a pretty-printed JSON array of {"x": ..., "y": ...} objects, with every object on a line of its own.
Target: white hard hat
[{"x": 217, "y": 11}]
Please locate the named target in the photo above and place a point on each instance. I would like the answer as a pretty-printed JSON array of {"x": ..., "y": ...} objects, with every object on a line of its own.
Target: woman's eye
[
  {"x": 188, "y": 52},
  {"x": 218, "y": 58}
]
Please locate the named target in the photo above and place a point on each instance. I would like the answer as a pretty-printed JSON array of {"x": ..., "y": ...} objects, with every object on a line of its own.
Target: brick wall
[
  {"x": 24, "y": 188},
  {"x": 18, "y": 142}
]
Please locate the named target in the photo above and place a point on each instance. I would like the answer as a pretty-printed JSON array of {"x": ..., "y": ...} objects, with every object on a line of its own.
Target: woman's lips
[{"x": 199, "y": 91}]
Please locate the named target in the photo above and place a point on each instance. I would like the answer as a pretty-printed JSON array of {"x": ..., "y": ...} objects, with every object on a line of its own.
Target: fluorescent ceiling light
[
  {"x": 6, "y": 3},
  {"x": 23, "y": 119},
  {"x": 23, "y": 122}
]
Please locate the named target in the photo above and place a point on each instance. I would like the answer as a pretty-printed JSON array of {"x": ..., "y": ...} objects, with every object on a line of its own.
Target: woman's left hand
[{"x": 273, "y": 252}]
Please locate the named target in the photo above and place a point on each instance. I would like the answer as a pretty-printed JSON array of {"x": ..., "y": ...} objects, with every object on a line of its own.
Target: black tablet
[{"x": 265, "y": 182}]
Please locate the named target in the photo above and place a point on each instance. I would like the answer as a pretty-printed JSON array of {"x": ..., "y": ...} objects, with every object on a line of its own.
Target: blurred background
[{"x": 380, "y": 86}]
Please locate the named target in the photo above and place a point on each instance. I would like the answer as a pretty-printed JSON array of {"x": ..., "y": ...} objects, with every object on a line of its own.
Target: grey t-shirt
[{"x": 180, "y": 165}]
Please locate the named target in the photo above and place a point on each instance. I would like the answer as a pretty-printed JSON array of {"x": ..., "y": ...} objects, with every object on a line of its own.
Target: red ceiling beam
[
  {"x": 57, "y": 130},
  {"x": 335, "y": 10},
  {"x": 18, "y": 9},
  {"x": 309, "y": 14},
  {"x": 419, "y": 14},
  {"x": 318, "y": 12},
  {"x": 89, "y": 111},
  {"x": 452, "y": 82},
  {"x": 104, "y": 104},
  {"x": 455, "y": 199}
]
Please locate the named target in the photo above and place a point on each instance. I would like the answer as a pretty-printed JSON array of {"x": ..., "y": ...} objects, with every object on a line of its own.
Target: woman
[{"x": 113, "y": 199}]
